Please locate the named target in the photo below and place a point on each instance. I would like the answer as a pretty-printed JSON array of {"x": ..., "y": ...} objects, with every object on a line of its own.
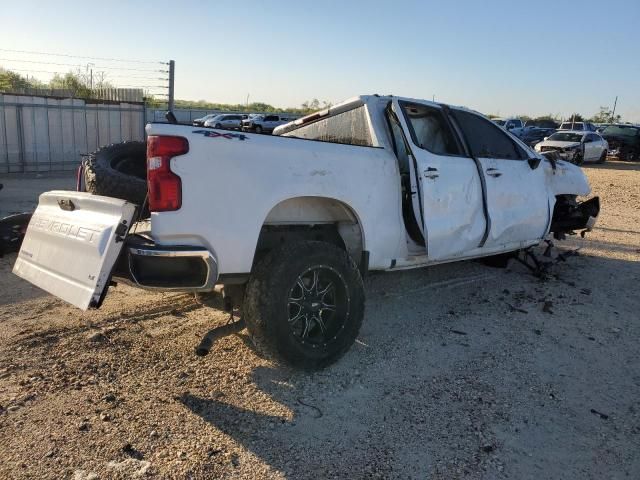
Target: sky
[{"x": 499, "y": 57}]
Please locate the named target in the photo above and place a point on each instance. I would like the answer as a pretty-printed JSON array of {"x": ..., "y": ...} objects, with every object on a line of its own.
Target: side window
[
  {"x": 486, "y": 139},
  {"x": 429, "y": 129},
  {"x": 270, "y": 118}
]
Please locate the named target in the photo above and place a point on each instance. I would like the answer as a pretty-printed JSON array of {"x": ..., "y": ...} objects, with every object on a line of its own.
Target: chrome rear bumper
[{"x": 161, "y": 267}]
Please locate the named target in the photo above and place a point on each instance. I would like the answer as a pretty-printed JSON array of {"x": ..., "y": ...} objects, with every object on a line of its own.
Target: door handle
[
  {"x": 493, "y": 172},
  {"x": 431, "y": 172}
]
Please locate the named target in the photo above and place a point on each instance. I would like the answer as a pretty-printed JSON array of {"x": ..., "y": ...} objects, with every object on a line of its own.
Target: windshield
[
  {"x": 619, "y": 130},
  {"x": 566, "y": 137},
  {"x": 500, "y": 122}
]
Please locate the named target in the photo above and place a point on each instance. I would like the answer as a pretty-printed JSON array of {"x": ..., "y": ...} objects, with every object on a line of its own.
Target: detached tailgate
[{"x": 72, "y": 242}]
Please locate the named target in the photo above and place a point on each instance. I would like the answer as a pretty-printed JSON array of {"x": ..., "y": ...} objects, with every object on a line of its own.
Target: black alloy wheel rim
[{"x": 318, "y": 306}]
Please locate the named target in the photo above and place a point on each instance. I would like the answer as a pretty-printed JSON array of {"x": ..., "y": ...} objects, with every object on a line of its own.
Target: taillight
[{"x": 165, "y": 187}]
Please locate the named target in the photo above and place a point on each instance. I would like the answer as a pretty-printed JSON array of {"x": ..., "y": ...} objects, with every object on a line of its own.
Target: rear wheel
[
  {"x": 630, "y": 156},
  {"x": 603, "y": 157},
  {"x": 304, "y": 303}
]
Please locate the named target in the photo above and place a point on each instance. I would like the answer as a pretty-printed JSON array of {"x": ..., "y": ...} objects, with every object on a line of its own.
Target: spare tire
[{"x": 118, "y": 170}]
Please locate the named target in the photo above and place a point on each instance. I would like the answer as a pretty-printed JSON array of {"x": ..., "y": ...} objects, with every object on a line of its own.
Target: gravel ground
[{"x": 460, "y": 371}]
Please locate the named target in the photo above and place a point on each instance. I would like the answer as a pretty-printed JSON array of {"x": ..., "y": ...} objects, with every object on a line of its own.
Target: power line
[
  {"x": 129, "y": 77},
  {"x": 80, "y": 56},
  {"x": 81, "y": 65}
]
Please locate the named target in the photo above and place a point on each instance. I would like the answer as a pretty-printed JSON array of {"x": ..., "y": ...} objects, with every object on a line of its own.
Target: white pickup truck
[{"x": 289, "y": 224}]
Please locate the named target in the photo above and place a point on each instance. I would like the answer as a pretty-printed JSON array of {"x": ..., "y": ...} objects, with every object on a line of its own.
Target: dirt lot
[{"x": 460, "y": 371}]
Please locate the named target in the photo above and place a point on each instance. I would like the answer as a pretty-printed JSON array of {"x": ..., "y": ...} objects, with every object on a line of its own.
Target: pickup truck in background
[
  {"x": 289, "y": 224},
  {"x": 512, "y": 125}
]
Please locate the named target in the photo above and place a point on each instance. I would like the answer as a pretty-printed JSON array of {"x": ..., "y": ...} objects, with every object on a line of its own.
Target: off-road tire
[
  {"x": 267, "y": 303},
  {"x": 119, "y": 171},
  {"x": 12, "y": 231}
]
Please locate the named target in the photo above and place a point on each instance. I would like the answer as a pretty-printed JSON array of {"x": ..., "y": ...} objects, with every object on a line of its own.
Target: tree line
[{"x": 80, "y": 85}]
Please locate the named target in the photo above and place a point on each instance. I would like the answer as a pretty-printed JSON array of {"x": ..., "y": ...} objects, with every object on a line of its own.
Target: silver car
[{"x": 229, "y": 121}]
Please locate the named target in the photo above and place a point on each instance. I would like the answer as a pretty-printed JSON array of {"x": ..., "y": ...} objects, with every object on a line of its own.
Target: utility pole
[
  {"x": 172, "y": 73},
  {"x": 247, "y": 104},
  {"x": 90, "y": 68},
  {"x": 613, "y": 114}
]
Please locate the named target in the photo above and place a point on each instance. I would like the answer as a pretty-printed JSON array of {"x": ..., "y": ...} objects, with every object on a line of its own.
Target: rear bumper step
[{"x": 183, "y": 268}]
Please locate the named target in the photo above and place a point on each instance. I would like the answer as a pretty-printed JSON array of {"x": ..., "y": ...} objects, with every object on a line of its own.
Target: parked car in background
[
  {"x": 624, "y": 141},
  {"x": 229, "y": 121},
  {"x": 265, "y": 123},
  {"x": 576, "y": 146},
  {"x": 513, "y": 125},
  {"x": 601, "y": 126},
  {"x": 199, "y": 122},
  {"x": 533, "y": 135},
  {"x": 578, "y": 126},
  {"x": 543, "y": 123}
]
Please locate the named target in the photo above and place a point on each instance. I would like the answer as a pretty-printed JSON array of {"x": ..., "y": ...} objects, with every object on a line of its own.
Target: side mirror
[
  {"x": 534, "y": 163},
  {"x": 545, "y": 139}
]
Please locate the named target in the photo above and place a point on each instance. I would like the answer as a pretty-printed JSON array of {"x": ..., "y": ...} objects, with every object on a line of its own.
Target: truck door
[
  {"x": 517, "y": 196},
  {"x": 447, "y": 181}
]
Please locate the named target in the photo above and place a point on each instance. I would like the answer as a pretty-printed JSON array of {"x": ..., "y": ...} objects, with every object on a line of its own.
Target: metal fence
[
  {"x": 39, "y": 134},
  {"x": 43, "y": 134}
]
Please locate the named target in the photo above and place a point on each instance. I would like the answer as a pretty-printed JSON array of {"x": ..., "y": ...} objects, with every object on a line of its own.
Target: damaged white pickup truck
[{"x": 289, "y": 224}]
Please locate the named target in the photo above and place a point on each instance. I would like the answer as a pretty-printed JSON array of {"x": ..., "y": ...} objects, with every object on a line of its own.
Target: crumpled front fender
[{"x": 567, "y": 179}]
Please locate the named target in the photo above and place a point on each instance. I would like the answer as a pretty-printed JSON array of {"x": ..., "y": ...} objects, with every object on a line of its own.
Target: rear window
[
  {"x": 572, "y": 126},
  {"x": 349, "y": 128},
  {"x": 617, "y": 130}
]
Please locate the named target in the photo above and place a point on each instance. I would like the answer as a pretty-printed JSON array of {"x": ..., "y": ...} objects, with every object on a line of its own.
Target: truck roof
[{"x": 355, "y": 102}]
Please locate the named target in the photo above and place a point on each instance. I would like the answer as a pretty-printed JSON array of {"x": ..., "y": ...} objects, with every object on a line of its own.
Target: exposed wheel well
[{"x": 312, "y": 218}]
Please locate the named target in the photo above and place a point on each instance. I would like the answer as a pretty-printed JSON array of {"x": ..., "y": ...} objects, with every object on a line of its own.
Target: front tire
[
  {"x": 578, "y": 159},
  {"x": 304, "y": 303},
  {"x": 258, "y": 129}
]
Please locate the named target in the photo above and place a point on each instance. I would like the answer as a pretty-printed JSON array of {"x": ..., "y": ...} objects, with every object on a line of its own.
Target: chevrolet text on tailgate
[{"x": 289, "y": 224}]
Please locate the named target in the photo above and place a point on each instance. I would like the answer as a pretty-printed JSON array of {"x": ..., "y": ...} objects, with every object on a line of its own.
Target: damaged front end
[{"x": 570, "y": 216}]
